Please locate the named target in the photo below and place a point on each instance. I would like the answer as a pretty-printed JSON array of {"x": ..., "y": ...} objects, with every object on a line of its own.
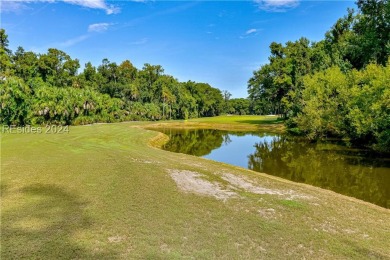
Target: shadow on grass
[
  {"x": 363, "y": 252},
  {"x": 42, "y": 225},
  {"x": 3, "y": 190}
]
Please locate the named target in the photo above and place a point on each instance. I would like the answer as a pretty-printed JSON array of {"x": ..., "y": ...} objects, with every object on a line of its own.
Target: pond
[{"x": 328, "y": 164}]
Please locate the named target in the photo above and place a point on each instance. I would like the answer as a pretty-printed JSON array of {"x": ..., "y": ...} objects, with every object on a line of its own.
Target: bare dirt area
[
  {"x": 194, "y": 182},
  {"x": 247, "y": 185}
]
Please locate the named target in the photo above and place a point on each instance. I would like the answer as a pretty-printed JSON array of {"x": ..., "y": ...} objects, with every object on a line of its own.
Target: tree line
[
  {"x": 47, "y": 88},
  {"x": 337, "y": 87}
]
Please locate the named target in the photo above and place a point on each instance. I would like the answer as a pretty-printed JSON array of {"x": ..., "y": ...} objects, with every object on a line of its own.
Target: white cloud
[
  {"x": 250, "y": 31},
  {"x": 16, "y": 5},
  {"x": 276, "y": 5},
  {"x": 95, "y": 4},
  {"x": 74, "y": 41},
  {"x": 11, "y": 6},
  {"x": 93, "y": 28},
  {"x": 98, "y": 27}
]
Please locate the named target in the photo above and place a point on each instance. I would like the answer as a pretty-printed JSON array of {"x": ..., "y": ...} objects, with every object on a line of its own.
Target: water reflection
[
  {"x": 196, "y": 142},
  {"x": 330, "y": 165},
  {"x": 351, "y": 172}
]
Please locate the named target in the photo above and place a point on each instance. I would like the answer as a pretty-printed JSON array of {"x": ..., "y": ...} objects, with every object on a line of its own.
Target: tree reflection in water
[
  {"x": 352, "y": 172},
  {"x": 198, "y": 142},
  {"x": 330, "y": 165}
]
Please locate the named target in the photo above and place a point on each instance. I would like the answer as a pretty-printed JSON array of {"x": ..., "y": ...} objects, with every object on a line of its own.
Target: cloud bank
[
  {"x": 98, "y": 27},
  {"x": 17, "y": 5},
  {"x": 276, "y": 5},
  {"x": 250, "y": 31}
]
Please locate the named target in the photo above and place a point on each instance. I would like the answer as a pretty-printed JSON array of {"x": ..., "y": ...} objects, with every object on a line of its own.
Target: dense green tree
[
  {"x": 162, "y": 92},
  {"x": 323, "y": 101},
  {"x": 89, "y": 73},
  {"x": 226, "y": 97},
  {"x": 354, "y": 105},
  {"x": 4, "y": 43},
  {"x": 47, "y": 89},
  {"x": 369, "y": 106},
  {"x": 109, "y": 71},
  {"x": 127, "y": 73},
  {"x": 185, "y": 106},
  {"x": 25, "y": 64},
  {"x": 320, "y": 57},
  {"x": 275, "y": 87},
  {"x": 340, "y": 43},
  {"x": 335, "y": 87},
  {"x": 261, "y": 91},
  {"x": 239, "y": 106},
  {"x": 209, "y": 101},
  {"x": 373, "y": 31},
  {"x": 5, "y": 55},
  {"x": 14, "y": 101},
  {"x": 147, "y": 76},
  {"x": 58, "y": 68}
]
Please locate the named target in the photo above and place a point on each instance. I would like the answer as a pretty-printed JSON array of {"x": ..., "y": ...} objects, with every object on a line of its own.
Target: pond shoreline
[
  {"x": 338, "y": 161},
  {"x": 128, "y": 198}
]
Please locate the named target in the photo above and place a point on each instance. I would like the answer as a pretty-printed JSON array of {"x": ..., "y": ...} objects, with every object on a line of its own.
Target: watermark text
[{"x": 49, "y": 129}]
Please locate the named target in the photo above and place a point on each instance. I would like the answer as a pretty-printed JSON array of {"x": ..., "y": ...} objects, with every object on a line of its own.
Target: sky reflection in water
[{"x": 350, "y": 171}]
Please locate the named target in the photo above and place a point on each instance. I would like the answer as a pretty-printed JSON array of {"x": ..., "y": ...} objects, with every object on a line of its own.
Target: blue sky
[{"x": 217, "y": 42}]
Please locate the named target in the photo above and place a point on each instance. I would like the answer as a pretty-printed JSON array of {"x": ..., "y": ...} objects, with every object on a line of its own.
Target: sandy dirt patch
[
  {"x": 247, "y": 185},
  {"x": 193, "y": 182}
]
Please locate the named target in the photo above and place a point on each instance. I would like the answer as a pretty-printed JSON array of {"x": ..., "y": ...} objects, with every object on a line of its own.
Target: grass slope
[
  {"x": 235, "y": 123},
  {"x": 103, "y": 192}
]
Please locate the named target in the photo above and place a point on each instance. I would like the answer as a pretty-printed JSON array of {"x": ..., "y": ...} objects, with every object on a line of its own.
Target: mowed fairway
[
  {"x": 103, "y": 192},
  {"x": 234, "y": 122}
]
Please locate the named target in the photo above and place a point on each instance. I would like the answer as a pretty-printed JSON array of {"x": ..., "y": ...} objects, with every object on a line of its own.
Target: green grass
[
  {"x": 103, "y": 192},
  {"x": 236, "y": 123},
  {"x": 292, "y": 204},
  {"x": 234, "y": 119}
]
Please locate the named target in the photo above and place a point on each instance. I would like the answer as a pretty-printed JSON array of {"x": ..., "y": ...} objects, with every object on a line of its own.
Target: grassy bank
[
  {"x": 103, "y": 191},
  {"x": 234, "y": 123}
]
